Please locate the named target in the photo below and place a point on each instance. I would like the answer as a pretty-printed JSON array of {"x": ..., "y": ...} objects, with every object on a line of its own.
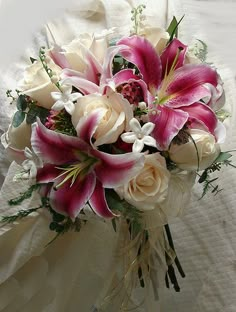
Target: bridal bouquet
[{"x": 119, "y": 128}]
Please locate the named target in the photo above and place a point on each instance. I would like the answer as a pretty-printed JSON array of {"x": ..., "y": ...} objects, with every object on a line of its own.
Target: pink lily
[
  {"x": 176, "y": 88},
  {"x": 75, "y": 172}
]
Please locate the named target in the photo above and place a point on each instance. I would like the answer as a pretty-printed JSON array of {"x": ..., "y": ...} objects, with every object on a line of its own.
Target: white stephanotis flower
[
  {"x": 65, "y": 99},
  {"x": 139, "y": 136},
  {"x": 29, "y": 166}
]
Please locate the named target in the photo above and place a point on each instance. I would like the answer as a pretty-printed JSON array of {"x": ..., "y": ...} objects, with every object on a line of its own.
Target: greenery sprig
[
  {"x": 204, "y": 178},
  {"x": 130, "y": 213},
  {"x": 23, "y": 196},
  {"x": 43, "y": 58},
  {"x": 21, "y": 214},
  {"x": 137, "y": 17},
  {"x": 26, "y": 108}
]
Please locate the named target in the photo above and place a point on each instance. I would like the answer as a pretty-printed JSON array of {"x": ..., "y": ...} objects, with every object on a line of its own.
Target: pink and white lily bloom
[
  {"x": 75, "y": 172},
  {"x": 175, "y": 90},
  {"x": 172, "y": 89}
]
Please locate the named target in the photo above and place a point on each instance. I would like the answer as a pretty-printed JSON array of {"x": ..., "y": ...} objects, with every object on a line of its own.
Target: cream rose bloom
[
  {"x": 38, "y": 85},
  {"x": 77, "y": 50},
  {"x": 158, "y": 37},
  {"x": 186, "y": 156},
  {"x": 177, "y": 200},
  {"x": 17, "y": 138},
  {"x": 115, "y": 112},
  {"x": 150, "y": 186}
]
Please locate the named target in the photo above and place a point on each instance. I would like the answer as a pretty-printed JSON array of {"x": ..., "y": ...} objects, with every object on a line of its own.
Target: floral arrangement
[{"x": 120, "y": 128}]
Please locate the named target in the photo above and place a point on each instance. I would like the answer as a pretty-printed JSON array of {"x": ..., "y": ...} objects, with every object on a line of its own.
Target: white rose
[
  {"x": 116, "y": 112},
  {"x": 18, "y": 138},
  {"x": 15, "y": 140},
  {"x": 38, "y": 85},
  {"x": 189, "y": 155},
  {"x": 150, "y": 186},
  {"x": 97, "y": 44},
  {"x": 177, "y": 199},
  {"x": 158, "y": 37}
]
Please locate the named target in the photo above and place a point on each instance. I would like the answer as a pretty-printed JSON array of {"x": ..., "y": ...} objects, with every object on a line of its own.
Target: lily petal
[
  {"x": 115, "y": 170},
  {"x": 174, "y": 52},
  {"x": 53, "y": 147},
  {"x": 98, "y": 202},
  {"x": 58, "y": 57},
  {"x": 141, "y": 53},
  {"x": 75, "y": 79},
  {"x": 47, "y": 174},
  {"x": 203, "y": 114},
  {"x": 124, "y": 76},
  {"x": 70, "y": 199},
  {"x": 168, "y": 123},
  {"x": 187, "y": 83},
  {"x": 94, "y": 68},
  {"x": 87, "y": 125}
]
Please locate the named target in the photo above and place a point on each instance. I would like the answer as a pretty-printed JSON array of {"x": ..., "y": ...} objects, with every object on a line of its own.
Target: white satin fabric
[{"x": 71, "y": 274}]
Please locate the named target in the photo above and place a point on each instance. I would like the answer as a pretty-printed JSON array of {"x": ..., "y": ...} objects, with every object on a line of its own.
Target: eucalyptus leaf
[
  {"x": 21, "y": 103},
  {"x": 18, "y": 118}
]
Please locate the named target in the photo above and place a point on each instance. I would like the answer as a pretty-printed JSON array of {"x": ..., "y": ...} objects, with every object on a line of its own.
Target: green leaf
[
  {"x": 136, "y": 228},
  {"x": 223, "y": 156},
  {"x": 32, "y": 60},
  {"x": 18, "y": 118},
  {"x": 113, "y": 221},
  {"x": 21, "y": 103},
  {"x": 114, "y": 201},
  {"x": 173, "y": 28},
  {"x": 203, "y": 176},
  {"x": 36, "y": 111}
]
